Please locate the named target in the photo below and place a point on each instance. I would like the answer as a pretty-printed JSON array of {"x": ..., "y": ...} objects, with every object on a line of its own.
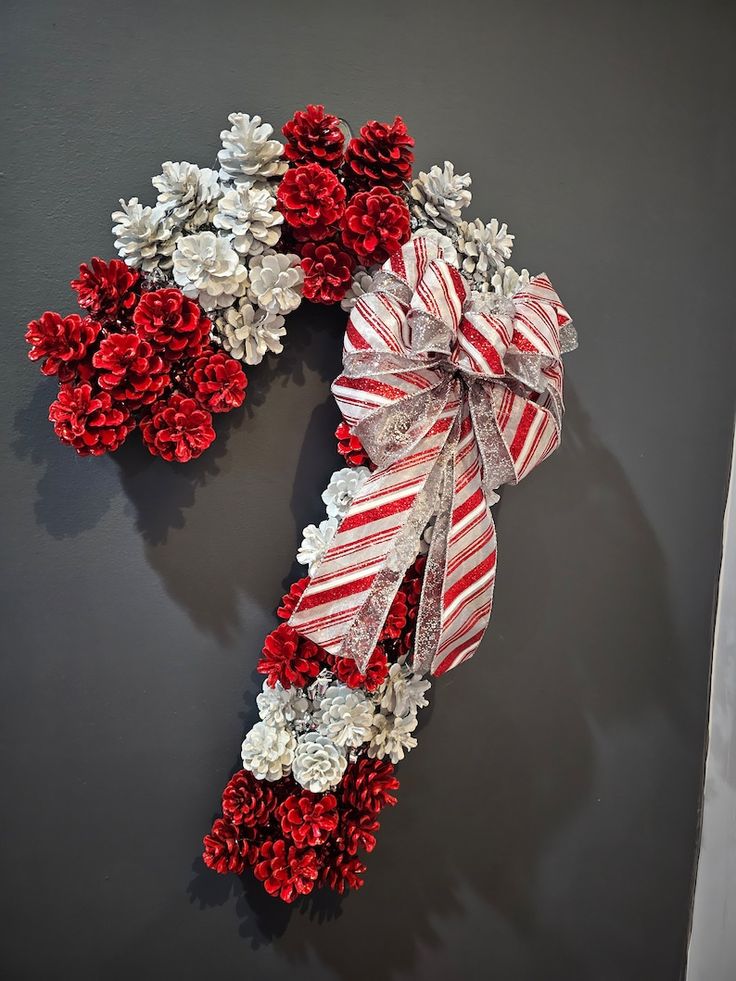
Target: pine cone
[
  {"x": 276, "y": 282},
  {"x": 343, "y": 488},
  {"x": 483, "y": 249},
  {"x": 208, "y": 269},
  {"x": 314, "y": 136},
  {"x": 188, "y": 193},
  {"x": 143, "y": 236},
  {"x": 61, "y": 341},
  {"x": 248, "y": 153},
  {"x": 289, "y": 659},
  {"x": 350, "y": 446},
  {"x": 177, "y": 429},
  {"x": 361, "y": 283},
  {"x": 286, "y": 871},
  {"x": 508, "y": 281},
  {"x": 318, "y": 763},
  {"x": 130, "y": 370},
  {"x": 290, "y": 599},
  {"x": 280, "y": 707},
  {"x": 346, "y": 670},
  {"x": 381, "y": 154},
  {"x": 439, "y": 196},
  {"x": 327, "y": 271},
  {"x": 308, "y": 820},
  {"x": 345, "y": 716},
  {"x": 375, "y": 225},
  {"x": 171, "y": 322},
  {"x": 247, "y": 801},
  {"x": 358, "y": 831},
  {"x": 369, "y": 784},
  {"x": 105, "y": 289},
  {"x": 248, "y": 333},
  {"x": 268, "y": 751},
  {"x": 89, "y": 421},
  {"x": 392, "y": 736},
  {"x": 343, "y": 872},
  {"x": 226, "y": 850},
  {"x": 315, "y": 543},
  {"x": 217, "y": 381},
  {"x": 405, "y": 690},
  {"x": 248, "y": 214},
  {"x": 312, "y": 200},
  {"x": 396, "y": 619}
]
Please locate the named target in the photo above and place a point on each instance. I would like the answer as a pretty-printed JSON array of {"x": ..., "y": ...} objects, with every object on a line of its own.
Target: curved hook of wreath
[{"x": 208, "y": 275}]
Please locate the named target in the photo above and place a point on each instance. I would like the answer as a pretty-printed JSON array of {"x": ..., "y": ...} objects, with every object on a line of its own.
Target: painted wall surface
[{"x": 547, "y": 823}]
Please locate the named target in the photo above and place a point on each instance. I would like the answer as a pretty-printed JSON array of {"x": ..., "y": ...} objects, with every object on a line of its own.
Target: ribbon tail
[
  {"x": 470, "y": 561},
  {"x": 345, "y": 605},
  {"x": 428, "y": 629}
]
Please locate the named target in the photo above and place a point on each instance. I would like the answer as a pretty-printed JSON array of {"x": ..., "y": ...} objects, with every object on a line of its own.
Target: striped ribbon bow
[{"x": 449, "y": 403}]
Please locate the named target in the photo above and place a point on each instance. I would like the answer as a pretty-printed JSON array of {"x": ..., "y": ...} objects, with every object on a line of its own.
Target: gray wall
[{"x": 547, "y": 824}]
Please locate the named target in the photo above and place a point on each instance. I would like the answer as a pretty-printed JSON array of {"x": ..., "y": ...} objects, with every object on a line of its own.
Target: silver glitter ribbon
[{"x": 449, "y": 402}]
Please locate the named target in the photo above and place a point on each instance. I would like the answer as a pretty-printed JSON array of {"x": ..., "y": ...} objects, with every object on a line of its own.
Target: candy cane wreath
[{"x": 451, "y": 387}]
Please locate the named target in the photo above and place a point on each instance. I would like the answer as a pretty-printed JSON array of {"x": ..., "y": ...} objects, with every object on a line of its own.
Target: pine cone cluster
[
  {"x": 141, "y": 357},
  {"x": 344, "y": 205}
]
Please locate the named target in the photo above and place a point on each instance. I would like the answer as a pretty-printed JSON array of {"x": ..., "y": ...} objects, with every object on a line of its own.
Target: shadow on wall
[
  {"x": 513, "y": 742},
  {"x": 228, "y": 539},
  {"x": 221, "y": 540}
]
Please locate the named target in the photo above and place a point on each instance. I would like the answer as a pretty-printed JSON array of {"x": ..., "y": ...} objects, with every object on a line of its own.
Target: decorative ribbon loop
[{"x": 450, "y": 403}]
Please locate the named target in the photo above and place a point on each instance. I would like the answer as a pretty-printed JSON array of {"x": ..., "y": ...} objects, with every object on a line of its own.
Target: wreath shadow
[
  {"x": 513, "y": 745},
  {"x": 210, "y": 582}
]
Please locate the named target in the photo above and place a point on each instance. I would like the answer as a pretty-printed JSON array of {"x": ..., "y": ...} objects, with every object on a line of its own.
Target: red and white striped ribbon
[{"x": 449, "y": 403}]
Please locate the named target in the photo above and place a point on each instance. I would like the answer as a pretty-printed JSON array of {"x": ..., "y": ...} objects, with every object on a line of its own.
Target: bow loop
[
  {"x": 482, "y": 342},
  {"x": 436, "y": 308}
]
